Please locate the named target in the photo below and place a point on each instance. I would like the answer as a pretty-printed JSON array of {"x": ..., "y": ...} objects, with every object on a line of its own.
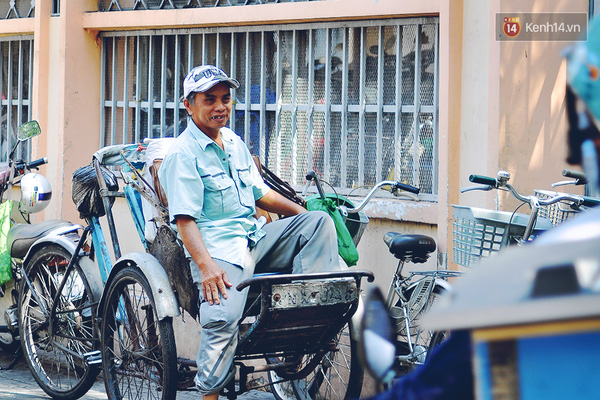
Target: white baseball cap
[{"x": 203, "y": 77}]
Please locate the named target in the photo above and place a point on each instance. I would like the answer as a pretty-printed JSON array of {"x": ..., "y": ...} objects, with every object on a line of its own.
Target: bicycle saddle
[
  {"x": 22, "y": 236},
  {"x": 415, "y": 248}
]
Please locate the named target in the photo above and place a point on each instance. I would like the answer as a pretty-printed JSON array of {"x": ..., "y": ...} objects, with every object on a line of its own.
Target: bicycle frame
[
  {"x": 105, "y": 269},
  {"x": 411, "y": 306}
]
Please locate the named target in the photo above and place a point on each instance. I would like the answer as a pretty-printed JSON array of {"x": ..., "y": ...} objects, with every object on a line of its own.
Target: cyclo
[{"x": 299, "y": 325}]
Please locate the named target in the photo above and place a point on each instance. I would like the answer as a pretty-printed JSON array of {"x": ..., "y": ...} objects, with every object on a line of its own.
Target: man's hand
[{"x": 214, "y": 278}]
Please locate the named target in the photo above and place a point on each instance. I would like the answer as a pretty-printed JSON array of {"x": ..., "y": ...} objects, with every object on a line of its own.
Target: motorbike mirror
[
  {"x": 376, "y": 346},
  {"x": 28, "y": 130}
]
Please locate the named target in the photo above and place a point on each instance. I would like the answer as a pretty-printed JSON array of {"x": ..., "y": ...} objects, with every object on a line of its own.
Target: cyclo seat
[
  {"x": 22, "y": 236},
  {"x": 415, "y": 248}
]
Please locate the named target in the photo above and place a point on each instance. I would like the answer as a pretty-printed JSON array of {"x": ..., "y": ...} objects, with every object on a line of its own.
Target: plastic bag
[
  {"x": 85, "y": 191},
  {"x": 5, "y": 264},
  {"x": 346, "y": 247}
]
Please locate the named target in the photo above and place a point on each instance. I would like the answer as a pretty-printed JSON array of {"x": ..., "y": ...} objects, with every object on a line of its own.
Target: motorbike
[{"x": 19, "y": 239}]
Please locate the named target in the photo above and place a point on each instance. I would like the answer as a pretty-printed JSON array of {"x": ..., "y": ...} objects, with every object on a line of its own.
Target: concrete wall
[
  {"x": 532, "y": 124},
  {"x": 513, "y": 115}
]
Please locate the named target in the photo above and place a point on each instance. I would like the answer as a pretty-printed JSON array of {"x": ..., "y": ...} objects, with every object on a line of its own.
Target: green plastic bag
[
  {"x": 346, "y": 246},
  {"x": 5, "y": 264}
]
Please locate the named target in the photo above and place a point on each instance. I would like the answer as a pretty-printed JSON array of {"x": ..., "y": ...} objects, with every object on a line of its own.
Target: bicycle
[
  {"x": 60, "y": 308},
  {"x": 412, "y": 296},
  {"x": 481, "y": 232}
]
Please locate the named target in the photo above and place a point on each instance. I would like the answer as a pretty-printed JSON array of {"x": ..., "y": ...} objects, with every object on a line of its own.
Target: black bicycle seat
[
  {"x": 22, "y": 236},
  {"x": 415, "y": 248}
]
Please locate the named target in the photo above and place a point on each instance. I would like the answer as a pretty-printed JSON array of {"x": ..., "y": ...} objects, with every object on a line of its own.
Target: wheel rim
[{"x": 133, "y": 354}]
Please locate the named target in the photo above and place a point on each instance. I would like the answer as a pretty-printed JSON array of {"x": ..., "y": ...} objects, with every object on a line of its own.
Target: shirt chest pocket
[
  {"x": 218, "y": 188},
  {"x": 246, "y": 191}
]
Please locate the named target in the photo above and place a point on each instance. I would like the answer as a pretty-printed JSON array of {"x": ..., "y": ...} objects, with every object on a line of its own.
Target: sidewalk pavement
[{"x": 17, "y": 383}]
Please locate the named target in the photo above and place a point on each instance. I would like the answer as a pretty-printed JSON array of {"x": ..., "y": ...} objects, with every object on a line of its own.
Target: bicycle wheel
[
  {"x": 337, "y": 375},
  {"x": 420, "y": 300},
  {"x": 54, "y": 347},
  {"x": 138, "y": 350}
]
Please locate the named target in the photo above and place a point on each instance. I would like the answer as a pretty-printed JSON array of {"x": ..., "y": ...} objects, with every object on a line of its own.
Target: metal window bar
[
  {"x": 125, "y": 100},
  {"x": 398, "y": 96},
  {"x": 113, "y": 114},
  {"x": 344, "y": 110},
  {"x": 138, "y": 88},
  {"x": 263, "y": 98},
  {"x": 16, "y": 76},
  {"x": 248, "y": 81},
  {"x": 436, "y": 138},
  {"x": 290, "y": 122},
  {"x": 416, "y": 102}
]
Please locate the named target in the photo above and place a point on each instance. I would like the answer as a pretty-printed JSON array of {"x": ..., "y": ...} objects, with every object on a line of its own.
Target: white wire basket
[
  {"x": 479, "y": 232},
  {"x": 557, "y": 213}
]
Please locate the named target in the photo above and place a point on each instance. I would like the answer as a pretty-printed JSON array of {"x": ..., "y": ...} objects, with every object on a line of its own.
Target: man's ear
[{"x": 186, "y": 104}]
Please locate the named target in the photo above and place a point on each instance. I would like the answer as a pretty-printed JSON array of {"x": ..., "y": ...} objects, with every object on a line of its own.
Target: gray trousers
[{"x": 305, "y": 243}]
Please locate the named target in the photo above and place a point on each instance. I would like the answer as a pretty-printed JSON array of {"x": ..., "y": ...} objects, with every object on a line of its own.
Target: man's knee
[
  {"x": 219, "y": 317},
  {"x": 322, "y": 221}
]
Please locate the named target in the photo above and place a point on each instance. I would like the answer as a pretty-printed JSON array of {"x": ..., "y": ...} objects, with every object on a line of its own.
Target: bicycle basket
[
  {"x": 557, "y": 212},
  {"x": 478, "y": 232}
]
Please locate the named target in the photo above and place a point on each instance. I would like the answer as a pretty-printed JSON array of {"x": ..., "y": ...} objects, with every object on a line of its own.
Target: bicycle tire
[
  {"x": 138, "y": 350},
  {"x": 338, "y": 375},
  {"x": 49, "y": 352}
]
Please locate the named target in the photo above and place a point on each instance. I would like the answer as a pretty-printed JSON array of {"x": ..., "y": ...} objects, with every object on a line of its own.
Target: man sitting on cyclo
[{"x": 213, "y": 187}]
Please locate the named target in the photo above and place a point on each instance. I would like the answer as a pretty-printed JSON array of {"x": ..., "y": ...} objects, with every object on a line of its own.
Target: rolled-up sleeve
[
  {"x": 183, "y": 185},
  {"x": 259, "y": 187}
]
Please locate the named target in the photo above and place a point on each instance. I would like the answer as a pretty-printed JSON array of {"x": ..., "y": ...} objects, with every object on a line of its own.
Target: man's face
[{"x": 211, "y": 109}]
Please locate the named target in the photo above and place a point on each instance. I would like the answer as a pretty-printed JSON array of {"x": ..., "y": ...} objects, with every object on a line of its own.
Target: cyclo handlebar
[{"x": 395, "y": 188}]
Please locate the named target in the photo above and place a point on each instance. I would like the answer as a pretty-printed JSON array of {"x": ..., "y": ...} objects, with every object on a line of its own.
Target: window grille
[
  {"x": 17, "y": 9},
  {"x": 125, "y": 5},
  {"x": 16, "y": 66},
  {"x": 355, "y": 102}
]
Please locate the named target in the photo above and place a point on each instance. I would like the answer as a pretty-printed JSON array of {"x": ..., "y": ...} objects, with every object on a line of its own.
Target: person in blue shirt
[{"x": 213, "y": 187}]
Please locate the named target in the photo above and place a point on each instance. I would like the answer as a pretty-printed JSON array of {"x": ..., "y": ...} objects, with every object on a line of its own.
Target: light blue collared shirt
[{"x": 217, "y": 187}]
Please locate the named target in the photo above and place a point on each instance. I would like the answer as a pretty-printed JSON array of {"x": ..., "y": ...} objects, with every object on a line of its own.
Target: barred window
[
  {"x": 17, "y": 9},
  {"x": 356, "y": 102},
  {"x": 125, "y": 5},
  {"x": 15, "y": 90}
]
